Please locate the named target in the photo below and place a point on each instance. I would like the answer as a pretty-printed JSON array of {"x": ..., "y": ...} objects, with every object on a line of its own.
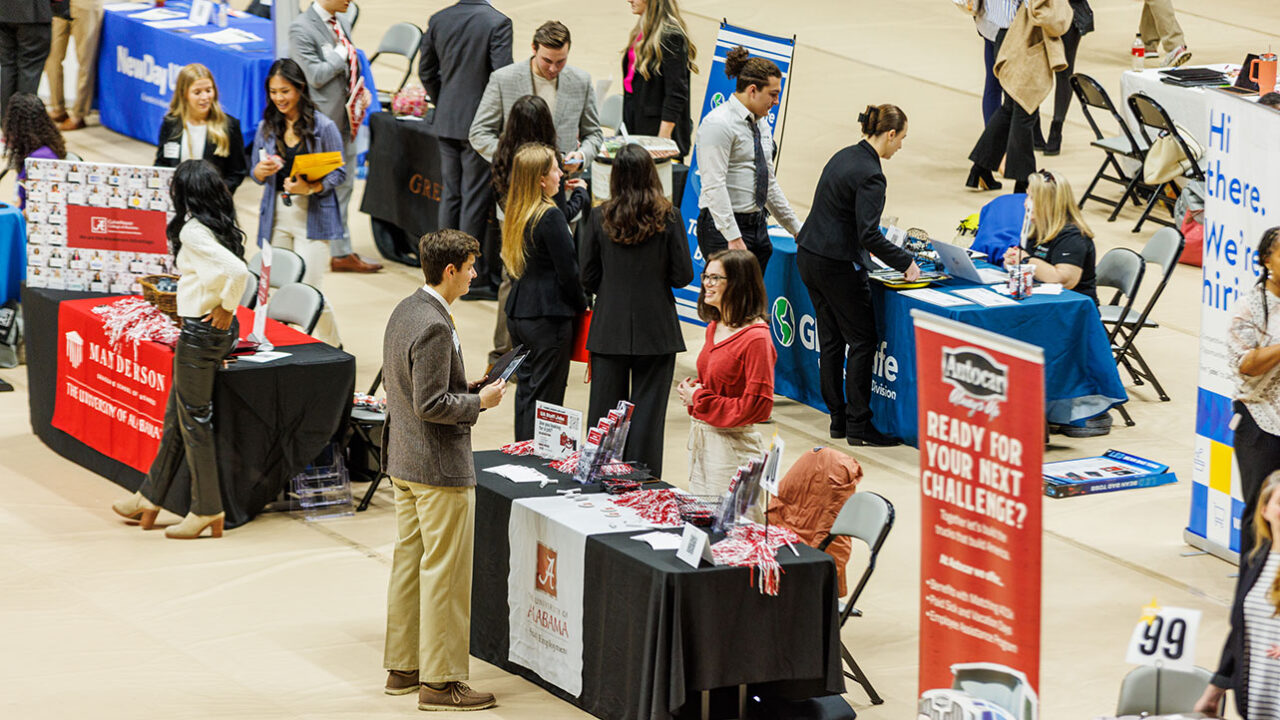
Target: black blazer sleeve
[
  {"x": 429, "y": 65},
  {"x": 675, "y": 77},
  {"x": 500, "y": 45},
  {"x": 167, "y": 126},
  {"x": 552, "y": 232},
  {"x": 1228, "y": 675},
  {"x": 679, "y": 262},
  {"x": 592, "y": 269},
  {"x": 868, "y": 204},
  {"x": 235, "y": 165}
]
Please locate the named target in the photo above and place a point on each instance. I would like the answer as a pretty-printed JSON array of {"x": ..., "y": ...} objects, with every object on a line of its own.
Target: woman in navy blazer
[
  {"x": 197, "y": 127},
  {"x": 656, "y": 68},
  {"x": 297, "y": 213}
]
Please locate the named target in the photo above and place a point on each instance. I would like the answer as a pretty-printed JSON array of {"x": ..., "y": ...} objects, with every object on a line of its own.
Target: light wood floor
[{"x": 284, "y": 619}]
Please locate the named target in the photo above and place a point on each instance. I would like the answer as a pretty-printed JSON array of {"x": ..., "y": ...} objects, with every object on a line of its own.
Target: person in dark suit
[
  {"x": 26, "y": 32},
  {"x": 430, "y": 411},
  {"x": 546, "y": 295},
  {"x": 833, "y": 256},
  {"x": 1249, "y": 657},
  {"x": 655, "y": 74},
  {"x": 635, "y": 250},
  {"x": 197, "y": 127},
  {"x": 463, "y": 44}
]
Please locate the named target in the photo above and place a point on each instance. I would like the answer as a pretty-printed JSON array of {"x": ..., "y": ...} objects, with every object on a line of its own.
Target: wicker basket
[{"x": 165, "y": 302}]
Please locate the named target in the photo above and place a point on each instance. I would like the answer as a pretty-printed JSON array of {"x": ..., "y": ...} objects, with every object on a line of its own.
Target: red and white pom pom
[
  {"x": 748, "y": 546},
  {"x": 656, "y": 506},
  {"x": 568, "y": 464},
  {"x": 135, "y": 320},
  {"x": 524, "y": 447}
]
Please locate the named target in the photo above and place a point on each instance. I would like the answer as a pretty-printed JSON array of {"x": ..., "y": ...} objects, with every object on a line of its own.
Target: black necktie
[{"x": 762, "y": 167}]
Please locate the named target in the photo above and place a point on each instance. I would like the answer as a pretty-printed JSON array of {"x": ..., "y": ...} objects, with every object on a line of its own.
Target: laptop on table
[{"x": 957, "y": 263}]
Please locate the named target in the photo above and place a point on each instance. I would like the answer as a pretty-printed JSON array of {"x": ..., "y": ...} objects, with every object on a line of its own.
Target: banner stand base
[{"x": 1207, "y": 545}]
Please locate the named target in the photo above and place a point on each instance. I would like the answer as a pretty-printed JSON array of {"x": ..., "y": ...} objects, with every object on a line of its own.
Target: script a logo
[
  {"x": 784, "y": 322},
  {"x": 545, "y": 580},
  {"x": 75, "y": 348},
  {"x": 97, "y": 224},
  {"x": 980, "y": 383}
]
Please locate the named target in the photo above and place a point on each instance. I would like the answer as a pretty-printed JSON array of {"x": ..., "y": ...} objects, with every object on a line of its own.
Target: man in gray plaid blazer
[{"x": 566, "y": 89}]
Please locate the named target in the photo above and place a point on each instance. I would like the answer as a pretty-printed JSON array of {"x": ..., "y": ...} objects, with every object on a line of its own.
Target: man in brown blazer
[{"x": 427, "y": 436}]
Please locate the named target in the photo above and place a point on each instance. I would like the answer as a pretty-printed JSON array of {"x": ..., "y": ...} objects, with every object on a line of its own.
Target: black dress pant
[
  {"x": 1009, "y": 135},
  {"x": 846, "y": 337},
  {"x": 644, "y": 380},
  {"x": 188, "y": 417},
  {"x": 544, "y": 374},
  {"x": 466, "y": 196},
  {"x": 23, "y": 50},
  {"x": 755, "y": 234},
  {"x": 1257, "y": 455}
]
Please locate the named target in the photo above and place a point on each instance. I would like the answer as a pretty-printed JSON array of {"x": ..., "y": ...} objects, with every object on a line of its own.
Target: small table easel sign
[{"x": 1165, "y": 638}]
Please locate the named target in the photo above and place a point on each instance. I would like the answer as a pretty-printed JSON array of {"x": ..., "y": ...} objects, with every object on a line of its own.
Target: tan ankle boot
[
  {"x": 192, "y": 526},
  {"x": 136, "y": 507}
]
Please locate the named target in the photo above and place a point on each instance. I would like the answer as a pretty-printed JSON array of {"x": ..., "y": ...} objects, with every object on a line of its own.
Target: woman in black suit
[
  {"x": 635, "y": 250},
  {"x": 1249, "y": 658},
  {"x": 834, "y": 247},
  {"x": 196, "y": 127},
  {"x": 655, "y": 73},
  {"x": 546, "y": 294}
]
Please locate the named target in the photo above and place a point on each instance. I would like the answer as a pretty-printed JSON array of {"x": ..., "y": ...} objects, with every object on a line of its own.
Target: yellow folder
[{"x": 313, "y": 166}]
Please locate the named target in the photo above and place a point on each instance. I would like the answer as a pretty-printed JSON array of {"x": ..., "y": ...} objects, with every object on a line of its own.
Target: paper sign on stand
[
  {"x": 1165, "y": 638},
  {"x": 694, "y": 546},
  {"x": 201, "y": 12},
  {"x": 557, "y": 431}
]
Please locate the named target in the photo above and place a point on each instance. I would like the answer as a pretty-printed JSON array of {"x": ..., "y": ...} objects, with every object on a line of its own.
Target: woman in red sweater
[{"x": 734, "y": 387}]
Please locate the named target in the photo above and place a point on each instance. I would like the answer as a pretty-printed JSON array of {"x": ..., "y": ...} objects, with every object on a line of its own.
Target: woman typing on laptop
[{"x": 1060, "y": 243}]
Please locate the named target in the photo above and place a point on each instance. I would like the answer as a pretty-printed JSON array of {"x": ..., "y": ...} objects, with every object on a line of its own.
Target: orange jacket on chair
[{"x": 811, "y": 495}]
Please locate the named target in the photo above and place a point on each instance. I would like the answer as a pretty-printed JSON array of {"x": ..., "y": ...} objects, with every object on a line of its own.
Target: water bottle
[
  {"x": 1139, "y": 52},
  {"x": 223, "y": 9}
]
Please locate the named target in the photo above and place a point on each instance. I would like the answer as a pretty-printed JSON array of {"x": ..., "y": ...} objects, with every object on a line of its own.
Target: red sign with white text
[
  {"x": 116, "y": 229},
  {"x": 981, "y": 405}
]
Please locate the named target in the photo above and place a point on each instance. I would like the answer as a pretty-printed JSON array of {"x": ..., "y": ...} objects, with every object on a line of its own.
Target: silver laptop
[{"x": 956, "y": 261}]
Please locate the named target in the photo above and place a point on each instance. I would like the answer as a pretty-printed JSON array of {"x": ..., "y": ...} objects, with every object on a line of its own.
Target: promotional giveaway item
[
  {"x": 1111, "y": 471},
  {"x": 981, "y": 417},
  {"x": 96, "y": 227},
  {"x": 1242, "y": 187}
]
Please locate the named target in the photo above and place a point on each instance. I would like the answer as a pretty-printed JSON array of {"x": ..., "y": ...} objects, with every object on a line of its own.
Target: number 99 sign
[{"x": 1166, "y": 637}]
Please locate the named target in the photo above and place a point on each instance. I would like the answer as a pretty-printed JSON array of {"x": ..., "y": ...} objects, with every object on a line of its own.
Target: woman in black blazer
[
  {"x": 833, "y": 256},
  {"x": 196, "y": 127},
  {"x": 655, "y": 74},
  {"x": 546, "y": 294},
  {"x": 1250, "y": 663},
  {"x": 634, "y": 251}
]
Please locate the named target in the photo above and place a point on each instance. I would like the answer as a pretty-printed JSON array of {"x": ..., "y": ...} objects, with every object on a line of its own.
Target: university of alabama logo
[
  {"x": 75, "y": 348},
  {"x": 545, "y": 580},
  {"x": 98, "y": 224}
]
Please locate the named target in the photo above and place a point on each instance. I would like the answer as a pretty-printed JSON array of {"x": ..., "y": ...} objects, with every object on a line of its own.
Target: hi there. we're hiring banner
[
  {"x": 719, "y": 88},
  {"x": 1242, "y": 199}
]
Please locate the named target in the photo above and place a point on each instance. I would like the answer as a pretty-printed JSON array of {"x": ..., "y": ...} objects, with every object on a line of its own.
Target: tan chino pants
[
  {"x": 85, "y": 26},
  {"x": 1159, "y": 26}
]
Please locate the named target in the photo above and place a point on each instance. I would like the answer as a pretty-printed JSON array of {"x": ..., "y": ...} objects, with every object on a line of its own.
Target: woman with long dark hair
[
  {"x": 546, "y": 294},
  {"x": 196, "y": 126},
  {"x": 734, "y": 387},
  {"x": 297, "y": 213},
  {"x": 29, "y": 132},
  {"x": 208, "y": 250},
  {"x": 635, "y": 250},
  {"x": 656, "y": 68}
]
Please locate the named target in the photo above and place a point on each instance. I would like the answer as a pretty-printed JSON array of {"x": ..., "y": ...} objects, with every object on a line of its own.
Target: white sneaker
[{"x": 1176, "y": 57}]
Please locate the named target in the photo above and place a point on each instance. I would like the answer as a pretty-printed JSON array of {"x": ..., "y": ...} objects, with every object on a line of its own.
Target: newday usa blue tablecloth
[
  {"x": 13, "y": 252},
  {"x": 138, "y": 65},
  {"x": 1081, "y": 379}
]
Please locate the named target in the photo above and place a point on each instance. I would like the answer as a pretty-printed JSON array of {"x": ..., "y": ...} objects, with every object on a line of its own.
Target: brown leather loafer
[
  {"x": 71, "y": 123},
  {"x": 353, "y": 263},
  {"x": 454, "y": 696},
  {"x": 58, "y": 116},
  {"x": 401, "y": 682}
]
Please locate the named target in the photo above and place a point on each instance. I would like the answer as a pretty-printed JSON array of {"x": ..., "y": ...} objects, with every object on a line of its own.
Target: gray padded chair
[
  {"x": 611, "y": 113},
  {"x": 287, "y": 267},
  {"x": 869, "y": 518},
  {"x": 1120, "y": 269},
  {"x": 297, "y": 304},
  {"x": 1179, "y": 691},
  {"x": 1163, "y": 249},
  {"x": 404, "y": 39},
  {"x": 249, "y": 298}
]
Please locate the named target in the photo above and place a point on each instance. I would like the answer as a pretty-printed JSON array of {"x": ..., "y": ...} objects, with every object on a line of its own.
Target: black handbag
[{"x": 1082, "y": 17}]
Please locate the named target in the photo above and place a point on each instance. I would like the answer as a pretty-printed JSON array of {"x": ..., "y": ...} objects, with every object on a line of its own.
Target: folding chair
[
  {"x": 367, "y": 425},
  {"x": 1092, "y": 95},
  {"x": 1121, "y": 269},
  {"x": 1163, "y": 249},
  {"x": 287, "y": 267},
  {"x": 297, "y": 304},
  {"x": 869, "y": 518},
  {"x": 1151, "y": 116},
  {"x": 1178, "y": 691},
  {"x": 249, "y": 298},
  {"x": 611, "y": 113},
  {"x": 403, "y": 39}
]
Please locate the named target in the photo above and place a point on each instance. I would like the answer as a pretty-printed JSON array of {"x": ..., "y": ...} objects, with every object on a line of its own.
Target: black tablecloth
[
  {"x": 272, "y": 419},
  {"x": 657, "y": 632},
  {"x": 403, "y": 184}
]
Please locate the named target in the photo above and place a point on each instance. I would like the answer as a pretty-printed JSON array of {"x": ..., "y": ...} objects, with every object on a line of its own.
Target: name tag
[{"x": 172, "y": 151}]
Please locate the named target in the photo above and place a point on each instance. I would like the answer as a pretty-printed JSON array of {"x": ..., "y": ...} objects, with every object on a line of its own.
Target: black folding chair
[
  {"x": 1121, "y": 269},
  {"x": 869, "y": 518},
  {"x": 1163, "y": 249},
  {"x": 403, "y": 39},
  {"x": 1151, "y": 116},
  {"x": 367, "y": 425},
  {"x": 1125, "y": 145}
]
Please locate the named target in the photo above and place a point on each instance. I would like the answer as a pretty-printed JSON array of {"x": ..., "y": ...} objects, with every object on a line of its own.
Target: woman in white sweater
[{"x": 208, "y": 249}]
